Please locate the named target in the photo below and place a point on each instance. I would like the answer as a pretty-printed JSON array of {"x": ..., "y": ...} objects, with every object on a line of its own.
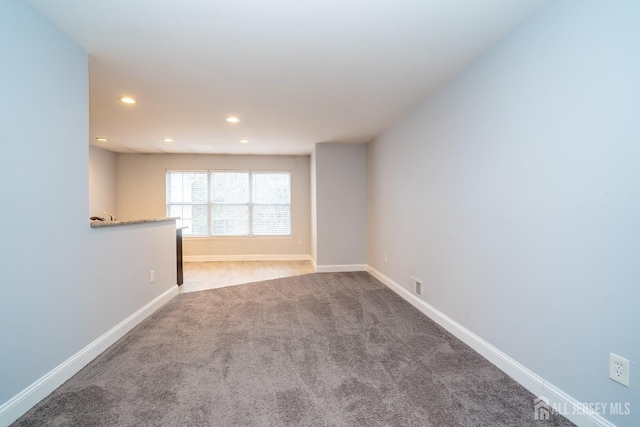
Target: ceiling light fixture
[
  {"x": 168, "y": 140},
  {"x": 232, "y": 119},
  {"x": 102, "y": 139},
  {"x": 244, "y": 141},
  {"x": 127, "y": 100}
]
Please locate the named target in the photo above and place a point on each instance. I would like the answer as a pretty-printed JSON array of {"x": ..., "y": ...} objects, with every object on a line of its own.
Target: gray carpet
[{"x": 336, "y": 349}]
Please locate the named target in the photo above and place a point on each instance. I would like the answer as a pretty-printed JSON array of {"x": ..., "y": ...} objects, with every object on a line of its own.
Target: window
[
  {"x": 188, "y": 198},
  {"x": 230, "y": 203}
]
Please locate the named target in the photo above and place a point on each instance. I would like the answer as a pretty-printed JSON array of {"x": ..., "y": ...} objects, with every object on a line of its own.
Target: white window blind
[
  {"x": 271, "y": 214},
  {"x": 230, "y": 203},
  {"x": 187, "y": 198}
]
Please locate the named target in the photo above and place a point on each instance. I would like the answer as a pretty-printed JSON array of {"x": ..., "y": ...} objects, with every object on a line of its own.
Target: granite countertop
[{"x": 98, "y": 224}]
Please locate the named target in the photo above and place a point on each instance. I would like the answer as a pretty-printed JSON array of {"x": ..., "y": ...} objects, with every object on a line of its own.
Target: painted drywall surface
[
  {"x": 45, "y": 76},
  {"x": 102, "y": 182},
  {"x": 514, "y": 194},
  {"x": 314, "y": 206},
  {"x": 141, "y": 194},
  {"x": 341, "y": 203},
  {"x": 65, "y": 283},
  {"x": 125, "y": 256}
]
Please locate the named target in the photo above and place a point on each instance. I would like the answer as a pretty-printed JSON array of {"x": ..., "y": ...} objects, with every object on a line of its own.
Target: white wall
[
  {"x": 141, "y": 194},
  {"x": 64, "y": 284},
  {"x": 102, "y": 182},
  {"x": 514, "y": 193},
  {"x": 314, "y": 208},
  {"x": 341, "y": 204}
]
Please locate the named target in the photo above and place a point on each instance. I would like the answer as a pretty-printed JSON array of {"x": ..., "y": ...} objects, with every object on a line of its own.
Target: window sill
[{"x": 237, "y": 237}]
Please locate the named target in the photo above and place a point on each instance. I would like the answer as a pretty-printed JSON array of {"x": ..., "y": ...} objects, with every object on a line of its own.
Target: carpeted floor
[{"x": 337, "y": 349}]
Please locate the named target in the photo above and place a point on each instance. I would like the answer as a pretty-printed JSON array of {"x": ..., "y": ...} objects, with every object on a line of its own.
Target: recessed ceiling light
[
  {"x": 102, "y": 139},
  {"x": 232, "y": 119},
  {"x": 244, "y": 141},
  {"x": 168, "y": 140},
  {"x": 127, "y": 100}
]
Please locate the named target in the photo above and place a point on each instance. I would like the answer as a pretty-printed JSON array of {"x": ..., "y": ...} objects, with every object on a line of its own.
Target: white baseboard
[
  {"x": 525, "y": 377},
  {"x": 27, "y": 398},
  {"x": 266, "y": 257},
  {"x": 343, "y": 268}
]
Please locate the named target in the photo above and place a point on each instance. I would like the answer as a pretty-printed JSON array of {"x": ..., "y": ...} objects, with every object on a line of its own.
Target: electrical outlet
[
  {"x": 299, "y": 241},
  {"x": 152, "y": 276},
  {"x": 417, "y": 285},
  {"x": 619, "y": 369},
  {"x": 386, "y": 258}
]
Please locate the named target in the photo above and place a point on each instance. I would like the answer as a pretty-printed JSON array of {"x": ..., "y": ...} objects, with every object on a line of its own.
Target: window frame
[{"x": 250, "y": 204}]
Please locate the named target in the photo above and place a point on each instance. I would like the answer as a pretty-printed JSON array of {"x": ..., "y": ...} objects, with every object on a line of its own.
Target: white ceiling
[{"x": 295, "y": 72}]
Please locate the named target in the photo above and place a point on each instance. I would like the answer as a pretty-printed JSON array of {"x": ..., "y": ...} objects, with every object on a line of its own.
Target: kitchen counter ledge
[{"x": 98, "y": 224}]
